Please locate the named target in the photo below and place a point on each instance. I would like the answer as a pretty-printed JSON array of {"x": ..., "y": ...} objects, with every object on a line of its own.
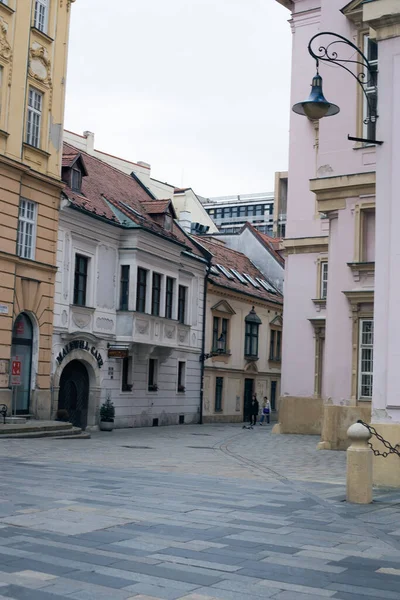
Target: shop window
[
  {"x": 21, "y": 351},
  {"x": 126, "y": 374},
  {"x": 181, "y": 376},
  {"x": 152, "y": 377}
]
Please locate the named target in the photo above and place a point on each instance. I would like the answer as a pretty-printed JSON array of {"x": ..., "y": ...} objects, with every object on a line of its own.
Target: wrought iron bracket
[{"x": 365, "y": 74}]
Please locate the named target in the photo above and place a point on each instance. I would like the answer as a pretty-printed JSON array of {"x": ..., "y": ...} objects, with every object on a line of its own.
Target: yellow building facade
[{"x": 33, "y": 59}]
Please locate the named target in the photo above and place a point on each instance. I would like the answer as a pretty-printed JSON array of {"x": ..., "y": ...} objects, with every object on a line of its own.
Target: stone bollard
[{"x": 359, "y": 465}]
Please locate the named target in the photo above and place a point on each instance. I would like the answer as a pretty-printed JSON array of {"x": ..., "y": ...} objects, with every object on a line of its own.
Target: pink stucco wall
[
  {"x": 335, "y": 156},
  {"x": 386, "y": 394}
]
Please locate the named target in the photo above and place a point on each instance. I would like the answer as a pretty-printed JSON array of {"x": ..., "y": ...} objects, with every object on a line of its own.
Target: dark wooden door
[
  {"x": 248, "y": 392},
  {"x": 74, "y": 393}
]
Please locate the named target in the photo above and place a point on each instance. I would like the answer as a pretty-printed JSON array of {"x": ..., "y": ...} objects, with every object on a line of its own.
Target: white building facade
[{"x": 128, "y": 307}]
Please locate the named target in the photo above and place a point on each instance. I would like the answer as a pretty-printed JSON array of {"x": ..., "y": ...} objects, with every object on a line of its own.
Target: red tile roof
[
  {"x": 232, "y": 259},
  {"x": 156, "y": 207},
  {"x": 106, "y": 187}
]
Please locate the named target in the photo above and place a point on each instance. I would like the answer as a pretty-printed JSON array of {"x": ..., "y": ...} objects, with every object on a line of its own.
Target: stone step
[
  {"x": 33, "y": 427},
  {"x": 63, "y": 433}
]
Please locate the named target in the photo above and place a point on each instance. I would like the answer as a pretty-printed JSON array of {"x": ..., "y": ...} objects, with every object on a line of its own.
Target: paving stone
[{"x": 182, "y": 523}]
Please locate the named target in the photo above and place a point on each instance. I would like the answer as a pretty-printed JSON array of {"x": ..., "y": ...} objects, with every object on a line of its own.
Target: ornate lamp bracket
[{"x": 365, "y": 75}]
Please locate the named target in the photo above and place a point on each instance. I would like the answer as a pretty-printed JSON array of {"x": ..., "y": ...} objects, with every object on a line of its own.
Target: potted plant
[
  {"x": 62, "y": 415},
  {"x": 107, "y": 414}
]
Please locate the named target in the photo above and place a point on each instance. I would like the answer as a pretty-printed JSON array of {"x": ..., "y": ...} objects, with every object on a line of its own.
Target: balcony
[{"x": 142, "y": 328}]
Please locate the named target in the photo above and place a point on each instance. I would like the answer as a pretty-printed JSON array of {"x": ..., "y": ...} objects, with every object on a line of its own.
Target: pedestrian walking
[
  {"x": 266, "y": 411},
  {"x": 255, "y": 407}
]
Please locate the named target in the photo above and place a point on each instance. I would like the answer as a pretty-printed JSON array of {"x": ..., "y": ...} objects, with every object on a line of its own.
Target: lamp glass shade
[{"x": 316, "y": 106}]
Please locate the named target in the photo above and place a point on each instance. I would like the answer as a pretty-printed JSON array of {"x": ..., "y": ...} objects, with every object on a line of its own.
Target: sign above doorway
[{"x": 80, "y": 345}]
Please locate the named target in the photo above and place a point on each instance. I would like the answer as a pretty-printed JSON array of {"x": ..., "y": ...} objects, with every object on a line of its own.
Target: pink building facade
[{"x": 341, "y": 315}]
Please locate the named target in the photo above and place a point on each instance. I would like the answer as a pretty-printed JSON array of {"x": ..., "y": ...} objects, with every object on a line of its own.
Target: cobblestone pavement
[{"x": 190, "y": 513}]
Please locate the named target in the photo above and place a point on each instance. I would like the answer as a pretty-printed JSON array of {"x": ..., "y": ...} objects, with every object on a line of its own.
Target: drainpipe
[{"x": 203, "y": 343}]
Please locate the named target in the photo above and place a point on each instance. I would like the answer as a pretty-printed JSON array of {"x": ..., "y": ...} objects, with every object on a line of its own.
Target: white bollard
[{"x": 359, "y": 465}]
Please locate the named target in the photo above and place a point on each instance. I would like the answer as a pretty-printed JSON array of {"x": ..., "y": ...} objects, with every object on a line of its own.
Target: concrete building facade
[{"x": 33, "y": 58}]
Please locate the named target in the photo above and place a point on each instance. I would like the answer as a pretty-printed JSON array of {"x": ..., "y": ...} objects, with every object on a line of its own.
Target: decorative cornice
[
  {"x": 383, "y": 17},
  {"x": 309, "y": 245},
  {"x": 332, "y": 192},
  {"x": 357, "y": 297}
]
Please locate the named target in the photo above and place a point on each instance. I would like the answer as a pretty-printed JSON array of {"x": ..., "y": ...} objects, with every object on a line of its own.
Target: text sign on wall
[
  {"x": 80, "y": 345},
  {"x": 16, "y": 369},
  {"x": 3, "y": 309},
  {"x": 118, "y": 353}
]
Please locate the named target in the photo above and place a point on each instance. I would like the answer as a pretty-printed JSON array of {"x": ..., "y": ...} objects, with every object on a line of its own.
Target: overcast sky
[{"x": 197, "y": 88}]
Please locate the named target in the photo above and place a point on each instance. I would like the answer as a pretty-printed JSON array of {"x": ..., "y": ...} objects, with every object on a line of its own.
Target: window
[
  {"x": 35, "y": 102},
  {"x": 181, "y": 376},
  {"x": 275, "y": 345},
  {"x": 366, "y": 358},
  {"x": 367, "y": 235},
  {"x": 76, "y": 180},
  {"x": 156, "y": 294},
  {"x": 220, "y": 327},
  {"x": 41, "y": 15},
  {"x": 152, "y": 375},
  {"x": 169, "y": 297},
  {"x": 259, "y": 209},
  {"x": 126, "y": 374},
  {"x": 80, "y": 283},
  {"x": 26, "y": 229},
  {"x": 370, "y": 102},
  {"x": 141, "y": 290},
  {"x": 272, "y": 345},
  {"x": 219, "y": 382},
  {"x": 324, "y": 280},
  {"x": 251, "y": 340},
  {"x": 182, "y": 304},
  {"x": 124, "y": 288},
  {"x": 215, "y": 334}
]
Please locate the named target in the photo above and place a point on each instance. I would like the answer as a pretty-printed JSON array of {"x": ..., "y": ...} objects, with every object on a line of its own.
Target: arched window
[{"x": 22, "y": 338}]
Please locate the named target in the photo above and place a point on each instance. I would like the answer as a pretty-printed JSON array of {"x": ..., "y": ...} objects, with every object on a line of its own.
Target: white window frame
[
  {"x": 34, "y": 117},
  {"x": 26, "y": 236},
  {"x": 41, "y": 15},
  {"x": 369, "y": 90},
  {"x": 324, "y": 280},
  {"x": 363, "y": 346}
]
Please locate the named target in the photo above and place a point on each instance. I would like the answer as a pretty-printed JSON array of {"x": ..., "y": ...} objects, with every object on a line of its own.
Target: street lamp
[
  {"x": 316, "y": 106},
  {"x": 220, "y": 349}
]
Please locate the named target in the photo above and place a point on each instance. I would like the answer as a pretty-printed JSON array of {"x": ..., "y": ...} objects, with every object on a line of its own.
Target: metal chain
[{"x": 391, "y": 449}]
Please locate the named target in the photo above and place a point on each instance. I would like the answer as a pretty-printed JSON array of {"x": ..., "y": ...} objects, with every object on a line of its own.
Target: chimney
[
  {"x": 185, "y": 220},
  {"x": 89, "y": 136},
  {"x": 144, "y": 164}
]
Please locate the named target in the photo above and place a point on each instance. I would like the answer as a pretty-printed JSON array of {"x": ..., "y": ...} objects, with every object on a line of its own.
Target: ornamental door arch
[{"x": 73, "y": 395}]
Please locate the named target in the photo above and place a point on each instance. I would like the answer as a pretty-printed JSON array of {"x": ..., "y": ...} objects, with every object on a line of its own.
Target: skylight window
[
  {"x": 266, "y": 285},
  {"x": 225, "y": 271},
  {"x": 214, "y": 270},
  {"x": 239, "y": 276},
  {"x": 251, "y": 280}
]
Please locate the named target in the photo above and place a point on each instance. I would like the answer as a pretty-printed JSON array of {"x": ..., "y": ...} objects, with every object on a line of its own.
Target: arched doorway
[
  {"x": 22, "y": 339},
  {"x": 74, "y": 393}
]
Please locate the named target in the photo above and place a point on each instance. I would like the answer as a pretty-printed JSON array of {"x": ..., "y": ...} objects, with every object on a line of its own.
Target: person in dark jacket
[{"x": 255, "y": 407}]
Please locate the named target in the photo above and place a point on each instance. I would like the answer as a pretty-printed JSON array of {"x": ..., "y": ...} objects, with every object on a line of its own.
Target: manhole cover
[{"x": 138, "y": 447}]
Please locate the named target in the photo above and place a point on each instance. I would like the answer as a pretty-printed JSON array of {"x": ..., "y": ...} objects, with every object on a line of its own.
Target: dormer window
[{"x": 76, "y": 179}]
